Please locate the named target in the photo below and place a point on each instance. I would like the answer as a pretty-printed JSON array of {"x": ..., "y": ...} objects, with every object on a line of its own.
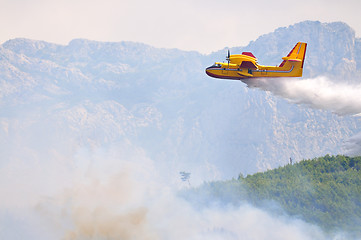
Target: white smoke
[
  {"x": 352, "y": 146},
  {"x": 119, "y": 193},
  {"x": 319, "y": 92},
  {"x": 133, "y": 202}
]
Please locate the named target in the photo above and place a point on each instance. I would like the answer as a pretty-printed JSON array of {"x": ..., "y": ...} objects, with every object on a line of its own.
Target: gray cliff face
[
  {"x": 332, "y": 47},
  {"x": 94, "y": 94}
]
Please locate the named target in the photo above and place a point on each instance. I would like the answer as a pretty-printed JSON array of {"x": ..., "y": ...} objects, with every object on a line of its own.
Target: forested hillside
[{"x": 325, "y": 191}]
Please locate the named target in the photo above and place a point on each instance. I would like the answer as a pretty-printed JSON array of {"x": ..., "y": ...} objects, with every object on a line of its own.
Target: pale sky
[{"x": 201, "y": 25}]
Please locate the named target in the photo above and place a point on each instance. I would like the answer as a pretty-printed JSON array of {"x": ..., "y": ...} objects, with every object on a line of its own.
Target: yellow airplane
[{"x": 242, "y": 66}]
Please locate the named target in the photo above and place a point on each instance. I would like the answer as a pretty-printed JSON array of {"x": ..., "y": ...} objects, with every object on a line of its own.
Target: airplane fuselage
[{"x": 242, "y": 66}]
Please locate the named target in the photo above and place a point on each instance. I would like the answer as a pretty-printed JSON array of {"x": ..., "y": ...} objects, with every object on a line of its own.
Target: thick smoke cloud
[
  {"x": 320, "y": 93},
  {"x": 131, "y": 201},
  {"x": 117, "y": 192}
]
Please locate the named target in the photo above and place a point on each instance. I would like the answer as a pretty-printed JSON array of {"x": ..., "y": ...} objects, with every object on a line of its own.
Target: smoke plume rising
[
  {"x": 117, "y": 192},
  {"x": 116, "y": 198}
]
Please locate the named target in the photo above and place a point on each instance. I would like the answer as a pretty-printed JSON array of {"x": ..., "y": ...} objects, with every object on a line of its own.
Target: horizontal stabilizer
[
  {"x": 297, "y": 54},
  {"x": 291, "y": 59}
]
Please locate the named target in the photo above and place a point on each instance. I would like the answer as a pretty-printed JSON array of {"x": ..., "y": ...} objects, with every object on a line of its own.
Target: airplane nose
[
  {"x": 210, "y": 70},
  {"x": 207, "y": 71}
]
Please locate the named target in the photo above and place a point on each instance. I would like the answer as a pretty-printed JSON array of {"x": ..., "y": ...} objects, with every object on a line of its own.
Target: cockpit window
[{"x": 217, "y": 65}]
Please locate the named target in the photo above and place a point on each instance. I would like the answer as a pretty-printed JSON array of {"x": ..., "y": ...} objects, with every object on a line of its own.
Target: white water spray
[{"x": 319, "y": 93}]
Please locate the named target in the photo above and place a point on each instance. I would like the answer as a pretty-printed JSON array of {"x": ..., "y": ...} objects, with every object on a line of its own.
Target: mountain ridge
[{"x": 168, "y": 107}]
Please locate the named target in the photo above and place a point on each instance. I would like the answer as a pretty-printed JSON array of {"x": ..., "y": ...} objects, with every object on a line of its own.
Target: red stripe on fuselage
[{"x": 224, "y": 77}]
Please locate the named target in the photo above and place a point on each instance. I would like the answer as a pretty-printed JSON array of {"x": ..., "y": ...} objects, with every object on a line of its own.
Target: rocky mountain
[{"x": 55, "y": 100}]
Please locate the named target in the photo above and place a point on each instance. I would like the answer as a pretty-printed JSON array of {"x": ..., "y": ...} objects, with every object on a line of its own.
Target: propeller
[{"x": 228, "y": 57}]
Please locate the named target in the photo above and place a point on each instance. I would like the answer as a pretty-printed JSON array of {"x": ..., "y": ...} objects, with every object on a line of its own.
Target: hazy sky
[{"x": 202, "y": 25}]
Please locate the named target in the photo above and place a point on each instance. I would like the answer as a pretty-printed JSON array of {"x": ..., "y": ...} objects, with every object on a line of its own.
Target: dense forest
[{"x": 325, "y": 191}]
